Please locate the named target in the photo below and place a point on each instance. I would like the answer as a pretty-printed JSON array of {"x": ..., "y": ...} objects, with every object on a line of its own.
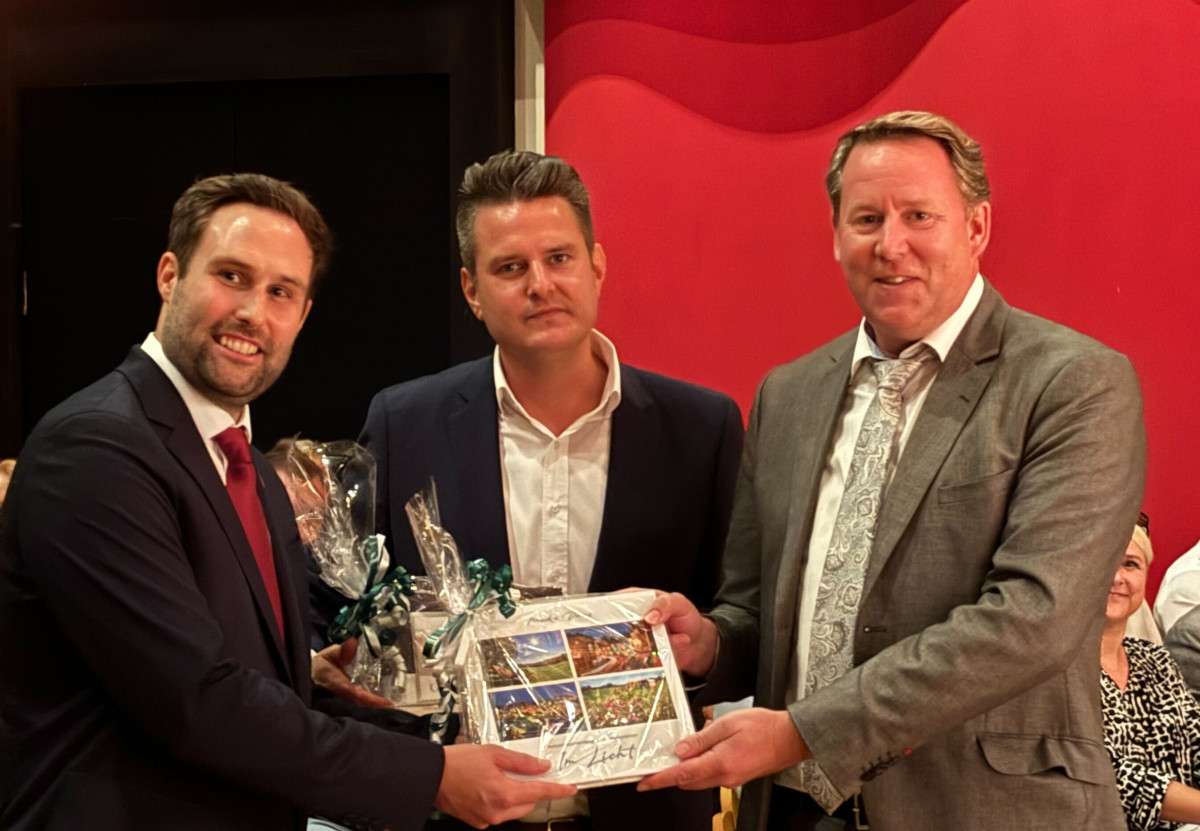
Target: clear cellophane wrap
[
  {"x": 582, "y": 681},
  {"x": 334, "y": 482}
]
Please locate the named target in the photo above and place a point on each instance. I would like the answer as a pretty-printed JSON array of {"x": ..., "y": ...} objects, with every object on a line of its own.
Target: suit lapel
[
  {"x": 821, "y": 398},
  {"x": 634, "y": 428},
  {"x": 952, "y": 398},
  {"x": 291, "y": 573},
  {"x": 474, "y": 502},
  {"x": 165, "y": 408}
]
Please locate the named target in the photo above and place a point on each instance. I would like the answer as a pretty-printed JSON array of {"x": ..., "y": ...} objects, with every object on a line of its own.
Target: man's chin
[{"x": 235, "y": 395}]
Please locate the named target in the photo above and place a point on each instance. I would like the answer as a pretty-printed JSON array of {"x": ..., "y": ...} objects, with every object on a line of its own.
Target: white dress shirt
[
  {"x": 554, "y": 485},
  {"x": 554, "y": 490},
  {"x": 210, "y": 419},
  {"x": 1180, "y": 590},
  {"x": 859, "y": 393}
]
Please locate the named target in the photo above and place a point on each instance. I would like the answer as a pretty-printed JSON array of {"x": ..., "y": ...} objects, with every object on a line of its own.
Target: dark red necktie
[{"x": 241, "y": 482}]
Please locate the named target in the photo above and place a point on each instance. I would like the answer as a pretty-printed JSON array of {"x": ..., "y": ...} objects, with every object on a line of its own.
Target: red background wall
[{"x": 703, "y": 130}]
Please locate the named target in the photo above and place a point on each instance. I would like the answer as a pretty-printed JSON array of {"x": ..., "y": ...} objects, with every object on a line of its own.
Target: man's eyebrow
[
  {"x": 230, "y": 262},
  {"x": 241, "y": 265},
  {"x": 501, "y": 259},
  {"x": 291, "y": 281}
]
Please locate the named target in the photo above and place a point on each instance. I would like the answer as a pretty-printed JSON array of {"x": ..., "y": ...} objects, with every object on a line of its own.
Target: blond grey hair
[{"x": 964, "y": 153}]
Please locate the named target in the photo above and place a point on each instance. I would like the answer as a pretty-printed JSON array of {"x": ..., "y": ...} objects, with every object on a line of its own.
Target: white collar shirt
[
  {"x": 859, "y": 393},
  {"x": 554, "y": 489},
  {"x": 554, "y": 486},
  {"x": 210, "y": 418}
]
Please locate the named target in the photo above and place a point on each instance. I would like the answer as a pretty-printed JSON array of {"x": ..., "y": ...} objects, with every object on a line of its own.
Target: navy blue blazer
[
  {"x": 672, "y": 465},
  {"x": 146, "y": 685}
]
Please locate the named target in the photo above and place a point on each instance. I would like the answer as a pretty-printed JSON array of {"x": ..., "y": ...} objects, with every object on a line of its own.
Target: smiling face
[
  {"x": 535, "y": 286},
  {"x": 905, "y": 238},
  {"x": 228, "y": 325},
  {"x": 1128, "y": 588}
]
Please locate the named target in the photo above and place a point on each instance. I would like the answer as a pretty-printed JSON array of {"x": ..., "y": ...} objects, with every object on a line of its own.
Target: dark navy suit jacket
[
  {"x": 672, "y": 465},
  {"x": 146, "y": 685}
]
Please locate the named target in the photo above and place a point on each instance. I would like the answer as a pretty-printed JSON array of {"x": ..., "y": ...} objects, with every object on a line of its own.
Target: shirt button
[{"x": 554, "y": 509}]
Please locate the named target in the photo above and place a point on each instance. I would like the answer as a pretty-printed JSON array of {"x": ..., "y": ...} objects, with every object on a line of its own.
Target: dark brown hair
[
  {"x": 196, "y": 206},
  {"x": 517, "y": 176}
]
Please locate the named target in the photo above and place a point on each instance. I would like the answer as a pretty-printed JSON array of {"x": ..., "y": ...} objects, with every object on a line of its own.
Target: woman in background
[{"x": 1151, "y": 720}]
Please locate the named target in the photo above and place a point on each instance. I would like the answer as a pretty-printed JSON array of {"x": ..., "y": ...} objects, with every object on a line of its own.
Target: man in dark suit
[
  {"x": 152, "y": 595},
  {"x": 580, "y": 471},
  {"x": 956, "y": 561}
]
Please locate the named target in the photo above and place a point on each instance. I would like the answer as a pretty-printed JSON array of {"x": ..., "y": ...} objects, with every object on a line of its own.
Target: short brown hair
[
  {"x": 964, "y": 153},
  {"x": 196, "y": 206},
  {"x": 517, "y": 176}
]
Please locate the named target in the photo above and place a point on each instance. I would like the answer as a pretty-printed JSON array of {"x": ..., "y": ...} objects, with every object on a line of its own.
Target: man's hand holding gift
[{"x": 736, "y": 748}]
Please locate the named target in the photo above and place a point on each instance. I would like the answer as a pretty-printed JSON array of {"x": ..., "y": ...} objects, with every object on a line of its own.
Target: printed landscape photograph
[
  {"x": 613, "y": 647},
  {"x": 525, "y": 659},
  {"x": 628, "y": 699},
  {"x": 529, "y": 712}
]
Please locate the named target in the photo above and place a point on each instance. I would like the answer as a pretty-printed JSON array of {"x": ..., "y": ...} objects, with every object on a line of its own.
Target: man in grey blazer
[
  {"x": 1183, "y": 642},
  {"x": 972, "y": 699}
]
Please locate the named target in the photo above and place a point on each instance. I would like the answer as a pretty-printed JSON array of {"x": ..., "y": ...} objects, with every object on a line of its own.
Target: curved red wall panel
[{"x": 703, "y": 130}]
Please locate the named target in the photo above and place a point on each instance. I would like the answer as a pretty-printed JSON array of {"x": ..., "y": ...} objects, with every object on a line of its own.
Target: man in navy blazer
[
  {"x": 157, "y": 659},
  {"x": 550, "y": 455}
]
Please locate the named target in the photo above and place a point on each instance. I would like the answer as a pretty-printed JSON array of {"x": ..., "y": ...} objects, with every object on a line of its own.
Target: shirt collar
[
  {"x": 602, "y": 348},
  {"x": 940, "y": 339},
  {"x": 210, "y": 418}
]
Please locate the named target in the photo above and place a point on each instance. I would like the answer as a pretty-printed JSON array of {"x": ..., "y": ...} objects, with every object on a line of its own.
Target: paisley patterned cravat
[{"x": 831, "y": 639}]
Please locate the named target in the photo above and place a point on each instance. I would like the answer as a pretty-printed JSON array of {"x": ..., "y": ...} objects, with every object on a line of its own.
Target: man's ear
[
  {"x": 599, "y": 265},
  {"x": 470, "y": 292},
  {"x": 168, "y": 275},
  {"x": 307, "y": 309},
  {"x": 979, "y": 228},
  {"x": 837, "y": 243}
]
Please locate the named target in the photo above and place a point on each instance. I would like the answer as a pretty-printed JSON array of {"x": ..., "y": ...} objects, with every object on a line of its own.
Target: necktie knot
[
  {"x": 234, "y": 445},
  {"x": 895, "y": 375}
]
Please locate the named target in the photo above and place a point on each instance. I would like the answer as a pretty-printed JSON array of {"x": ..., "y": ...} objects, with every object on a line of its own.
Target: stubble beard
[{"x": 192, "y": 349}]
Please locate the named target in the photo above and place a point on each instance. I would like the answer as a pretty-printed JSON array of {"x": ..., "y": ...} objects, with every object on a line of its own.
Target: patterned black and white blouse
[{"x": 1152, "y": 732}]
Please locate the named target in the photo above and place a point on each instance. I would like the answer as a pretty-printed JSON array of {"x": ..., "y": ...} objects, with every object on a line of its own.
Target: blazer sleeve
[
  {"x": 1069, "y": 510},
  {"x": 729, "y": 448},
  {"x": 737, "y": 614},
  {"x": 100, "y": 536}
]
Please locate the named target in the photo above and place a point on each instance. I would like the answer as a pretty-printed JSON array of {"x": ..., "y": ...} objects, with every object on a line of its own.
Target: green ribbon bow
[
  {"x": 488, "y": 584},
  {"x": 379, "y": 598}
]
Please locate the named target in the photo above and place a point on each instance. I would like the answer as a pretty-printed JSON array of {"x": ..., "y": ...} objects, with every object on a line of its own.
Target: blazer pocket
[
  {"x": 996, "y": 483},
  {"x": 1024, "y": 755}
]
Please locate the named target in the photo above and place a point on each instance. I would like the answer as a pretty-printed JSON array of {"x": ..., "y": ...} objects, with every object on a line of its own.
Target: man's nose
[
  {"x": 252, "y": 307},
  {"x": 892, "y": 241},
  {"x": 537, "y": 281}
]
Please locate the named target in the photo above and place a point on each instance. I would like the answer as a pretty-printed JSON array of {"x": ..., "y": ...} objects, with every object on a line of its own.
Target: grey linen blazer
[
  {"x": 1183, "y": 642},
  {"x": 974, "y": 701}
]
